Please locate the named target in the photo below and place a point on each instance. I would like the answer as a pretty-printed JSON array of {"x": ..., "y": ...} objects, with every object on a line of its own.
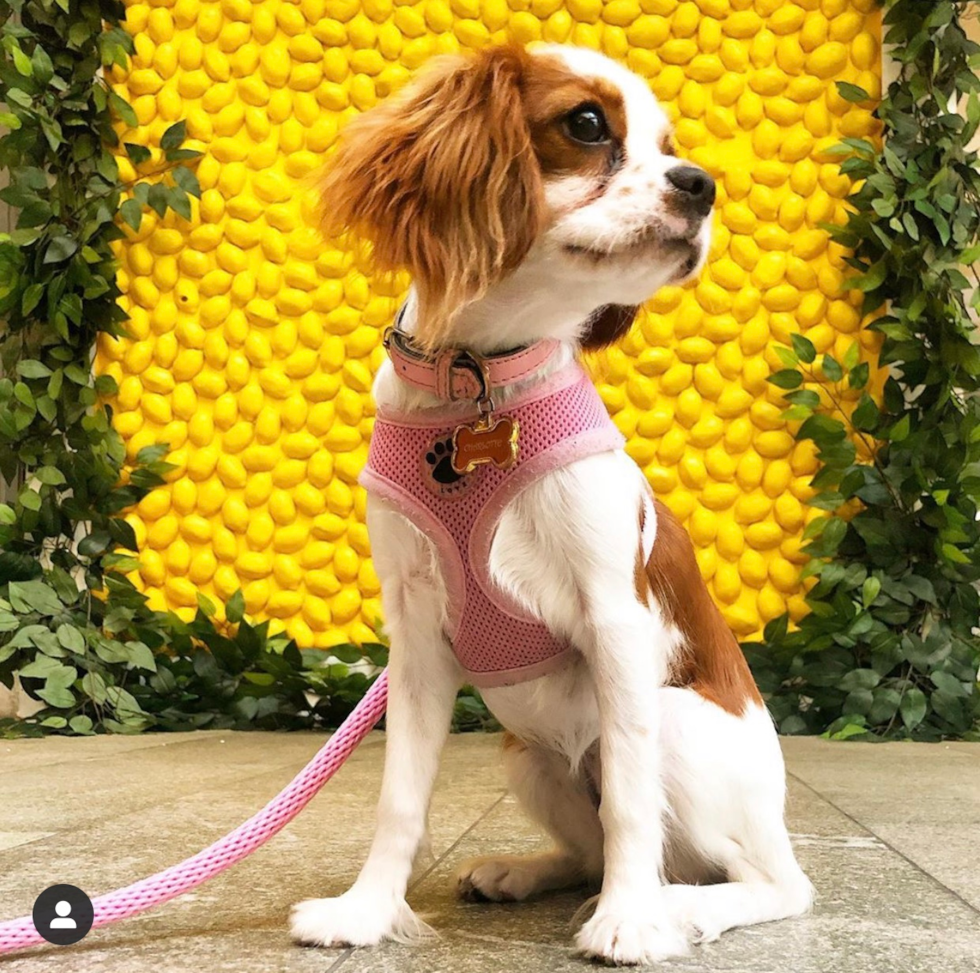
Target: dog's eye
[{"x": 587, "y": 124}]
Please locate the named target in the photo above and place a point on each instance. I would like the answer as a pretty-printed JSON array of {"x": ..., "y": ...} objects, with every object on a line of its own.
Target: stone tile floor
[{"x": 890, "y": 835}]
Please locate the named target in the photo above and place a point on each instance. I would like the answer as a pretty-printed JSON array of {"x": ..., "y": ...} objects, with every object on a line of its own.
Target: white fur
[{"x": 688, "y": 791}]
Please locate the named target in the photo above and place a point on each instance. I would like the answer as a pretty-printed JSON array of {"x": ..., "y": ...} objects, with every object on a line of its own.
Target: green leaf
[
  {"x": 50, "y": 475},
  {"x": 235, "y": 608},
  {"x": 187, "y": 180},
  {"x": 858, "y": 702},
  {"x": 21, "y": 61},
  {"x": 138, "y": 154},
  {"x": 81, "y": 724},
  {"x": 865, "y": 416},
  {"x": 149, "y": 455},
  {"x": 180, "y": 203},
  {"x": 123, "y": 701},
  {"x": 23, "y": 394},
  {"x": 206, "y": 605},
  {"x": 921, "y": 587},
  {"x": 899, "y": 432},
  {"x": 859, "y": 679},
  {"x": 348, "y": 654},
  {"x": 60, "y": 248},
  {"x": 141, "y": 656},
  {"x": 831, "y": 368},
  {"x": 41, "y": 63},
  {"x": 946, "y": 682},
  {"x": 806, "y": 397},
  {"x": 797, "y": 413},
  {"x": 28, "y": 368},
  {"x": 42, "y": 667},
  {"x": 71, "y": 638},
  {"x": 884, "y": 705},
  {"x": 94, "y": 544},
  {"x": 158, "y": 198},
  {"x": 123, "y": 109},
  {"x": 803, "y": 348},
  {"x": 57, "y": 696},
  {"x": 858, "y": 376},
  {"x": 851, "y": 92},
  {"x": 174, "y": 135},
  {"x": 870, "y": 591},
  {"x": 132, "y": 213},
  {"x": 787, "y": 356},
  {"x": 788, "y": 378},
  {"x": 36, "y": 596},
  {"x": 913, "y": 708},
  {"x": 94, "y": 686},
  {"x": 872, "y": 280},
  {"x": 823, "y": 430},
  {"x": 31, "y": 298}
]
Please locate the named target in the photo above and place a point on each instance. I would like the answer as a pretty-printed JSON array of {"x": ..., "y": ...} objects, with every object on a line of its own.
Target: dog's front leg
[
  {"x": 423, "y": 681},
  {"x": 626, "y": 648}
]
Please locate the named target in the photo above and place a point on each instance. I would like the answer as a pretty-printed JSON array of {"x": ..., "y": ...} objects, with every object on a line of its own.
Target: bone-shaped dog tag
[{"x": 488, "y": 441}]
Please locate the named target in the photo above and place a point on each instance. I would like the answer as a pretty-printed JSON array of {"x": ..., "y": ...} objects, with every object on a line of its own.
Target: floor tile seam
[
  {"x": 416, "y": 882},
  {"x": 888, "y": 845}
]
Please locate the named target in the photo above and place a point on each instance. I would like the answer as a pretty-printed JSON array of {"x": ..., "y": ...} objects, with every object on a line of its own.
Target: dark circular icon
[{"x": 63, "y": 914}]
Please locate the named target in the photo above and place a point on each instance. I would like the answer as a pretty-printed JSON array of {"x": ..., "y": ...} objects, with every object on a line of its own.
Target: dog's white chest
[{"x": 557, "y": 711}]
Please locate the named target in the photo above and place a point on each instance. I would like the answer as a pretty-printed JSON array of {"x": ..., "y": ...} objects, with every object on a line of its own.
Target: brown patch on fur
[
  {"x": 711, "y": 662},
  {"x": 446, "y": 176},
  {"x": 641, "y": 583},
  {"x": 551, "y": 92},
  {"x": 444, "y": 180},
  {"x": 667, "y": 144},
  {"x": 607, "y": 325}
]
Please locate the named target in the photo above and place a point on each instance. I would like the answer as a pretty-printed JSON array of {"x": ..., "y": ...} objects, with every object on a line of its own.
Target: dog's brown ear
[
  {"x": 608, "y": 324},
  {"x": 444, "y": 181}
]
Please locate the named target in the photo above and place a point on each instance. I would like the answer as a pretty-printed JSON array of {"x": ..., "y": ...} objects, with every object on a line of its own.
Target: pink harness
[{"x": 560, "y": 420}]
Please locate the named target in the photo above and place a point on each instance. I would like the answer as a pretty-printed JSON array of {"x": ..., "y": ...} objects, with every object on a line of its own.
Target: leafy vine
[{"x": 889, "y": 648}]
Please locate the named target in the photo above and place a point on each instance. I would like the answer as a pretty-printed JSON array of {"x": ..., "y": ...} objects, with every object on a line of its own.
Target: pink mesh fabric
[
  {"x": 560, "y": 421},
  {"x": 228, "y": 851}
]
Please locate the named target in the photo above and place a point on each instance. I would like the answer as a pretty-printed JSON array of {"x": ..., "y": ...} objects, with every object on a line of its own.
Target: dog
[{"x": 536, "y": 200}]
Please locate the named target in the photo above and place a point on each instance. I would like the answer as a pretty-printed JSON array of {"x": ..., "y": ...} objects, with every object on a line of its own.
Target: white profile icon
[{"x": 64, "y": 920}]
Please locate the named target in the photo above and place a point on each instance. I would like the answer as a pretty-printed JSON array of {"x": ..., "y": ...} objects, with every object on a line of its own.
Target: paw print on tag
[{"x": 437, "y": 470}]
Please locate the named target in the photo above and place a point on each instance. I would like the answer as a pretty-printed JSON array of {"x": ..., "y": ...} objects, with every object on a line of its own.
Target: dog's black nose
[{"x": 696, "y": 185}]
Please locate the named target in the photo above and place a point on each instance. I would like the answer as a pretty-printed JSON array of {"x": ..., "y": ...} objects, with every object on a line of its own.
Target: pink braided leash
[{"x": 227, "y": 851}]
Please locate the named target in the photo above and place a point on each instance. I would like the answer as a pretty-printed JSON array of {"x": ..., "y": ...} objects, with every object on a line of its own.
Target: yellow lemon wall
[{"x": 253, "y": 343}]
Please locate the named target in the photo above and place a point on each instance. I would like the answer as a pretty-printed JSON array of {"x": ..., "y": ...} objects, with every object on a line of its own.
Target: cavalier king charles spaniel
[{"x": 536, "y": 200}]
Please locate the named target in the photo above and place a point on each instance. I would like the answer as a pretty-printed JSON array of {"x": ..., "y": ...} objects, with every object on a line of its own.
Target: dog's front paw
[
  {"x": 354, "y": 920},
  {"x": 628, "y": 940}
]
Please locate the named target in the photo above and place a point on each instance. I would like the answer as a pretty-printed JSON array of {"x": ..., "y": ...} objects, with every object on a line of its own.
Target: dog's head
[{"x": 542, "y": 177}]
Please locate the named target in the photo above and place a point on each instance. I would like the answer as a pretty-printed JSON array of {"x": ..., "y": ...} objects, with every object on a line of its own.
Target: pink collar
[{"x": 453, "y": 374}]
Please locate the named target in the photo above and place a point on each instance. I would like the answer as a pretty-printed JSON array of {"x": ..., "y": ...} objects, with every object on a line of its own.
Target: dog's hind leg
[
  {"x": 725, "y": 780},
  {"x": 565, "y": 806}
]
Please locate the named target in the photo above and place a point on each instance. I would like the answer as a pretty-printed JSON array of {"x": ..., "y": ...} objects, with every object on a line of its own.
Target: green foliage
[
  {"x": 72, "y": 626},
  {"x": 150, "y": 670},
  {"x": 889, "y": 648}
]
